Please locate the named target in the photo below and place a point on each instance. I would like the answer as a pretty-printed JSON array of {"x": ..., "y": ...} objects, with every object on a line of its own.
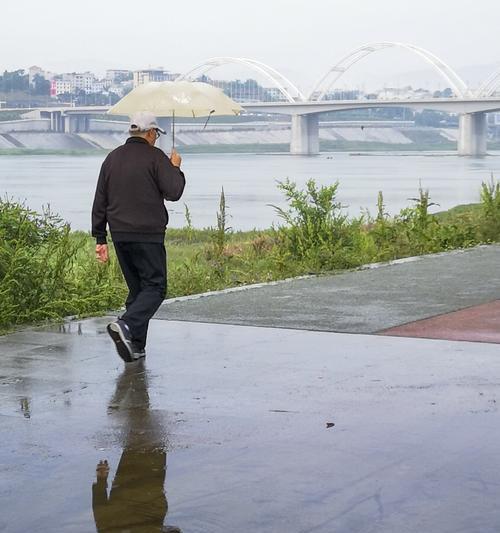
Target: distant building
[
  {"x": 59, "y": 86},
  {"x": 120, "y": 89},
  {"x": 97, "y": 86},
  {"x": 84, "y": 82},
  {"x": 274, "y": 94},
  {"x": 34, "y": 71},
  {"x": 344, "y": 94},
  {"x": 403, "y": 93},
  {"x": 156, "y": 74},
  {"x": 116, "y": 76},
  {"x": 76, "y": 82}
]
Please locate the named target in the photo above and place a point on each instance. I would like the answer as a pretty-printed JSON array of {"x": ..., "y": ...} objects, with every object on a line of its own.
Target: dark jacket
[{"x": 134, "y": 181}]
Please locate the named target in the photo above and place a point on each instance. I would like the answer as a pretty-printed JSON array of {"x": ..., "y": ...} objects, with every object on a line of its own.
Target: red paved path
[{"x": 480, "y": 323}]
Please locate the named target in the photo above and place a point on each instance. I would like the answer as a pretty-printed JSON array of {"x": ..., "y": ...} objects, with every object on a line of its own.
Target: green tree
[
  {"x": 41, "y": 86},
  {"x": 16, "y": 80}
]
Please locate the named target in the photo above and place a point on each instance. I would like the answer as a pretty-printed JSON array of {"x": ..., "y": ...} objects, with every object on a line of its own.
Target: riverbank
[
  {"x": 48, "y": 271},
  {"x": 345, "y": 147},
  {"x": 224, "y": 138}
]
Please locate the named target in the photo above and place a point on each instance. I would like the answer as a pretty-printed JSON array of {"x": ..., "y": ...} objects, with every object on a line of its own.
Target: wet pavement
[
  {"x": 230, "y": 428},
  {"x": 479, "y": 323},
  {"x": 364, "y": 301}
]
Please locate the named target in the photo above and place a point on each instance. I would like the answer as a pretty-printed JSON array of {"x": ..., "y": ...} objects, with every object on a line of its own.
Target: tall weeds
[
  {"x": 317, "y": 233},
  {"x": 48, "y": 272},
  {"x": 316, "y": 229},
  {"x": 490, "y": 210}
]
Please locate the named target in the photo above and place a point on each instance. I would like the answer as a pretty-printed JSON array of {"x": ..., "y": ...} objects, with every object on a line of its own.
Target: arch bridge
[
  {"x": 289, "y": 91},
  {"x": 472, "y": 106},
  {"x": 305, "y": 110}
]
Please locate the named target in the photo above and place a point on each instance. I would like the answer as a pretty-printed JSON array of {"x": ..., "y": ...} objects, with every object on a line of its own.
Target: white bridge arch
[
  {"x": 456, "y": 83},
  {"x": 489, "y": 86},
  {"x": 283, "y": 84}
]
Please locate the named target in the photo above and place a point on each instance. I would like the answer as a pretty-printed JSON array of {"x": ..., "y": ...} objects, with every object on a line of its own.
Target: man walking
[{"x": 134, "y": 181}]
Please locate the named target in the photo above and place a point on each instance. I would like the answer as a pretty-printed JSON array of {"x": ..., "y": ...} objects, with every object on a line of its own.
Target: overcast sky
[{"x": 301, "y": 38}]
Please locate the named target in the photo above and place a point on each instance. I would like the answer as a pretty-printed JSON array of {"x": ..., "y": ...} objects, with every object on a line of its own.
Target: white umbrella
[{"x": 177, "y": 99}]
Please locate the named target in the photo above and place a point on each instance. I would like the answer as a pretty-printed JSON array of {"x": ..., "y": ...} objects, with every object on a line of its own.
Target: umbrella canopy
[{"x": 176, "y": 98}]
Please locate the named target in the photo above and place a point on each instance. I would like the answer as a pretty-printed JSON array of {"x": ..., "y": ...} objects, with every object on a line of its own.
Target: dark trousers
[{"x": 144, "y": 267}]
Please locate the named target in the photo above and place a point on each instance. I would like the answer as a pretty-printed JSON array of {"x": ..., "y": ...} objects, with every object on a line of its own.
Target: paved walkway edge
[
  {"x": 369, "y": 266},
  {"x": 234, "y": 289}
]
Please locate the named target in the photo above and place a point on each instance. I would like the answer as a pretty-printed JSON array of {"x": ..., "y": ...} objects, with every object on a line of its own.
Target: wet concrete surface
[
  {"x": 358, "y": 302},
  {"x": 238, "y": 429},
  {"x": 480, "y": 323}
]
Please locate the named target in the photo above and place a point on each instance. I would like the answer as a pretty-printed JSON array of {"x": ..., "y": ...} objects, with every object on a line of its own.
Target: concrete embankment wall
[
  {"x": 108, "y": 126},
  {"x": 103, "y": 134},
  {"x": 11, "y": 126}
]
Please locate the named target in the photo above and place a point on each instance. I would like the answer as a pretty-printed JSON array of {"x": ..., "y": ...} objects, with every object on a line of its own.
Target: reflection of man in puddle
[{"x": 137, "y": 501}]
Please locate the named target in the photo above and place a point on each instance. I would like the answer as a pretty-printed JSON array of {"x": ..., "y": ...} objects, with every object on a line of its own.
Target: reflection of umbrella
[{"x": 177, "y": 99}]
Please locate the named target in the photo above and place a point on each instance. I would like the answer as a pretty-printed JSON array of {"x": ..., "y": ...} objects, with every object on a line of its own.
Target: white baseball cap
[{"x": 143, "y": 121}]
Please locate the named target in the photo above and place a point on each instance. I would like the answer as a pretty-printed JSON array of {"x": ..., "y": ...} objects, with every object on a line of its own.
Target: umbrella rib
[{"x": 208, "y": 118}]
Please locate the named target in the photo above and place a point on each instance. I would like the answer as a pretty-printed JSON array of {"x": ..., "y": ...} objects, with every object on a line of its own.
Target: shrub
[
  {"x": 46, "y": 271},
  {"x": 490, "y": 210},
  {"x": 316, "y": 230}
]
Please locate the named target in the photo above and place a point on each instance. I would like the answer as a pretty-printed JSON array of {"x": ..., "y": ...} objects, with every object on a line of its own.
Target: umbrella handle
[{"x": 173, "y": 130}]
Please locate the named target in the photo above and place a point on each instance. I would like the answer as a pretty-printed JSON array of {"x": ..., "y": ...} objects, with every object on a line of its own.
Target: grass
[
  {"x": 48, "y": 271},
  {"x": 457, "y": 211}
]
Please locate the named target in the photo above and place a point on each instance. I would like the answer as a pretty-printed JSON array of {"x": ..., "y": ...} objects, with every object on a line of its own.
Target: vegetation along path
[{"x": 48, "y": 272}]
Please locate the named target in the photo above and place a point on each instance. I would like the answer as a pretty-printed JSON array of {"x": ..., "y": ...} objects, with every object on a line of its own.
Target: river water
[{"x": 67, "y": 183}]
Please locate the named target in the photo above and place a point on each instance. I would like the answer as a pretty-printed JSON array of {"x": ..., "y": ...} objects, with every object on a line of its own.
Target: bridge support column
[
  {"x": 76, "y": 123},
  {"x": 69, "y": 124},
  {"x": 305, "y": 135},
  {"x": 473, "y": 134},
  {"x": 82, "y": 125},
  {"x": 56, "y": 122}
]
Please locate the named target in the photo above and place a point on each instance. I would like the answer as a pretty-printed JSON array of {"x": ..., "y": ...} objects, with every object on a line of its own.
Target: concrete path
[
  {"x": 230, "y": 428},
  {"x": 358, "y": 302}
]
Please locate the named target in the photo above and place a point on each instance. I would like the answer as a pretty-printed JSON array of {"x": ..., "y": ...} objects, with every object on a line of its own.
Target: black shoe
[
  {"x": 120, "y": 334},
  {"x": 137, "y": 353}
]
